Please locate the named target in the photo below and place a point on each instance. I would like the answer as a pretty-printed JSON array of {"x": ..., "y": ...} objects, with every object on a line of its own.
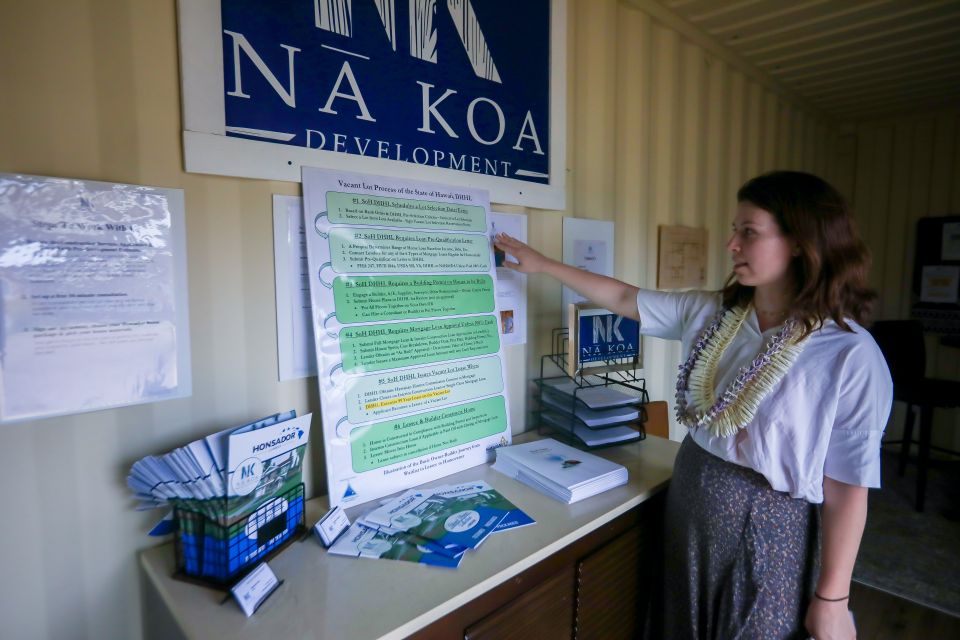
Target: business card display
[
  {"x": 331, "y": 525},
  {"x": 256, "y": 587}
]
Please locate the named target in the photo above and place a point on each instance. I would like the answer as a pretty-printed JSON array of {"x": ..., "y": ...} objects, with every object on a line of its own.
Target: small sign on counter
[
  {"x": 255, "y": 588},
  {"x": 330, "y": 526}
]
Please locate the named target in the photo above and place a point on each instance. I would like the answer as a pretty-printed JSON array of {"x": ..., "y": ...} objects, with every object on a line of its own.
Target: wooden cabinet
[
  {"x": 600, "y": 587},
  {"x": 546, "y": 611}
]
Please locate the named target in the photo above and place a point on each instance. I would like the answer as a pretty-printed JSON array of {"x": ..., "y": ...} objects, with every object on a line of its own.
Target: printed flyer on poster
[{"x": 407, "y": 331}]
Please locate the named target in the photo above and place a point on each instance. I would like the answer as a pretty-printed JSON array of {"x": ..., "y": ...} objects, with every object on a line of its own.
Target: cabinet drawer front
[
  {"x": 545, "y": 612},
  {"x": 611, "y": 590}
]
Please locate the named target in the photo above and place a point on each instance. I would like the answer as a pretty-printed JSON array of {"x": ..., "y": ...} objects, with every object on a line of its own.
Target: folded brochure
[{"x": 431, "y": 526}]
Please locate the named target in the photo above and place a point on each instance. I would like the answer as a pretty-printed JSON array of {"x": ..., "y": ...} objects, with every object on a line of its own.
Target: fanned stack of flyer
[
  {"x": 431, "y": 526},
  {"x": 558, "y": 470},
  {"x": 225, "y": 474}
]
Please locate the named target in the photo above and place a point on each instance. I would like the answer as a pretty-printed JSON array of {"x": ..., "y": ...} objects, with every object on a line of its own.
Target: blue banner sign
[{"x": 462, "y": 85}]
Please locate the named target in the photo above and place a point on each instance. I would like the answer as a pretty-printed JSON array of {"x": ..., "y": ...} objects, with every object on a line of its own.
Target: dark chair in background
[{"x": 905, "y": 351}]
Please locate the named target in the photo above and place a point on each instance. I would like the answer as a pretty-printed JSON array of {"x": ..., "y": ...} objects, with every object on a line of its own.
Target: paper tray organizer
[
  {"x": 218, "y": 554},
  {"x": 553, "y": 369}
]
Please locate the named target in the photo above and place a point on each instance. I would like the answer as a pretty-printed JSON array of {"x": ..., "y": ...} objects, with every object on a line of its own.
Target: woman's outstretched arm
[
  {"x": 844, "y": 515},
  {"x": 610, "y": 293}
]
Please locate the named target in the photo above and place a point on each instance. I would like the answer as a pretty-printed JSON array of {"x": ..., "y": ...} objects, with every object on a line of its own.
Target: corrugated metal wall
[
  {"x": 662, "y": 131},
  {"x": 906, "y": 169}
]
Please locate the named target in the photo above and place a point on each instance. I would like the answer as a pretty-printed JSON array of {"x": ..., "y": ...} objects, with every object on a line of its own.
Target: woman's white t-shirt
[{"x": 826, "y": 416}]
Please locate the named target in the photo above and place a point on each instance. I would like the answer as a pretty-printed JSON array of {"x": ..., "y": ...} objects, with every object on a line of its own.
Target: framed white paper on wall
[{"x": 587, "y": 245}]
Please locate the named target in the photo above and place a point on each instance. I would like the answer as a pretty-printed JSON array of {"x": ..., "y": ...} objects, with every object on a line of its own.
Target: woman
[{"x": 786, "y": 397}]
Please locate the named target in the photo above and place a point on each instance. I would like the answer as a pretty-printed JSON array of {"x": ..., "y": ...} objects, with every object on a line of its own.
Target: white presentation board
[{"x": 407, "y": 330}]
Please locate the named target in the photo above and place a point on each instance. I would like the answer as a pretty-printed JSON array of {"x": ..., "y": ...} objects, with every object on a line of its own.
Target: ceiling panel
[{"x": 851, "y": 58}]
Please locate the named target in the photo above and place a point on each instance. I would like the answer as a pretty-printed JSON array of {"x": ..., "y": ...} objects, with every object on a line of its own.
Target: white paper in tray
[
  {"x": 592, "y": 437},
  {"x": 591, "y": 417},
  {"x": 601, "y": 397}
]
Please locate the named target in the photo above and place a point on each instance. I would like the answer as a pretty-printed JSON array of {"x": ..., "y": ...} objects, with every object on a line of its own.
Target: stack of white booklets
[{"x": 558, "y": 470}]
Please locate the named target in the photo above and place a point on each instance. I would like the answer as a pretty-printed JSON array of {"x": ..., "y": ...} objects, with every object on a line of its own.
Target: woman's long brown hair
[{"x": 831, "y": 271}]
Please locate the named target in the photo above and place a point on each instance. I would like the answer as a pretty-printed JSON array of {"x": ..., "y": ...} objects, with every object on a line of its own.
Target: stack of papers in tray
[
  {"x": 596, "y": 397},
  {"x": 590, "y": 437},
  {"x": 434, "y": 526},
  {"x": 592, "y": 418},
  {"x": 558, "y": 470},
  {"x": 597, "y": 415}
]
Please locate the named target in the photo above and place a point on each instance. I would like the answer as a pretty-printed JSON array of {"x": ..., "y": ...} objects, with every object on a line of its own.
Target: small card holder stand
[{"x": 218, "y": 555}]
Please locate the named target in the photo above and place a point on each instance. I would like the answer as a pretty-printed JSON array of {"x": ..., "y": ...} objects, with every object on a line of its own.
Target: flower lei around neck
[{"x": 738, "y": 403}]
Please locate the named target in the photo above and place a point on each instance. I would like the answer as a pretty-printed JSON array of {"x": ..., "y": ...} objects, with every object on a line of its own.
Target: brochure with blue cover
[
  {"x": 460, "y": 516},
  {"x": 515, "y": 517}
]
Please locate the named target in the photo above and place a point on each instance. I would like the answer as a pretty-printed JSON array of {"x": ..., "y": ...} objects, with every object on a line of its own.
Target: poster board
[
  {"x": 407, "y": 331},
  {"x": 452, "y": 92},
  {"x": 296, "y": 357},
  {"x": 93, "y": 296}
]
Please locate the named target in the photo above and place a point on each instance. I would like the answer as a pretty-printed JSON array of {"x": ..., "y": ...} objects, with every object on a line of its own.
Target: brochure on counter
[
  {"x": 558, "y": 470},
  {"x": 434, "y": 526}
]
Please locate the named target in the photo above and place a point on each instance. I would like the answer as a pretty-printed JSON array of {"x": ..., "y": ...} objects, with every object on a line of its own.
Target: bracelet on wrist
[{"x": 820, "y": 597}]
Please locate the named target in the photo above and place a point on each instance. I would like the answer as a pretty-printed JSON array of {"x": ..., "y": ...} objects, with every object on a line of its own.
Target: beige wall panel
[
  {"x": 843, "y": 165},
  {"x": 921, "y": 167},
  {"x": 812, "y": 133},
  {"x": 658, "y": 132},
  {"x": 631, "y": 142},
  {"x": 736, "y": 152},
  {"x": 753, "y": 130},
  {"x": 769, "y": 143},
  {"x": 718, "y": 202},
  {"x": 798, "y": 127},
  {"x": 955, "y": 167},
  {"x": 943, "y": 175},
  {"x": 594, "y": 108},
  {"x": 690, "y": 137},
  {"x": 865, "y": 195},
  {"x": 785, "y": 136},
  {"x": 910, "y": 166},
  {"x": 892, "y": 259},
  {"x": 664, "y": 183}
]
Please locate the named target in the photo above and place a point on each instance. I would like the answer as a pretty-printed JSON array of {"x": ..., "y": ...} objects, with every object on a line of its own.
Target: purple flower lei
[{"x": 747, "y": 374}]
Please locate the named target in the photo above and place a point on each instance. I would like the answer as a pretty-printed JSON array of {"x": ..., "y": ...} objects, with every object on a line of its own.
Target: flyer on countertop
[
  {"x": 406, "y": 328},
  {"x": 480, "y": 490},
  {"x": 454, "y": 516},
  {"x": 363, "y": 542}
]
